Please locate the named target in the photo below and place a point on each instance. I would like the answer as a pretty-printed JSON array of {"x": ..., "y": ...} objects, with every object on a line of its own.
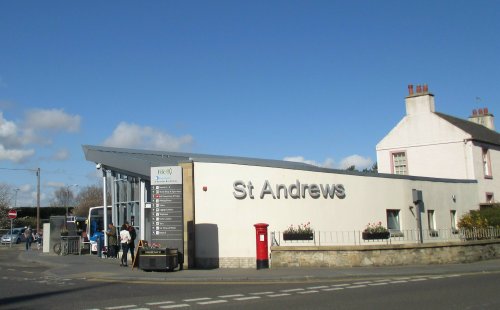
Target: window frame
[
  {"x": 453, "y": 221},
  {"x": 395, "y": 232},
  {"x": 394, "y": 168},
  {"x": 486, "y": 163},
  {"x": 431, "y": 223}
]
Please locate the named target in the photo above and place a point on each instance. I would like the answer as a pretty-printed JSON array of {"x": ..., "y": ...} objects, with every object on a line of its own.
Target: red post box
[{"x": 262, "y": 248}]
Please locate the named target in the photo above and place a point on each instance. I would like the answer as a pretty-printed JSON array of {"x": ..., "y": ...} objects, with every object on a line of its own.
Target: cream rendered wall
[
  {"x": 487, "y": 185},
  {"x": 225, "y": 224},
  {"x": 434, "y": 147}
]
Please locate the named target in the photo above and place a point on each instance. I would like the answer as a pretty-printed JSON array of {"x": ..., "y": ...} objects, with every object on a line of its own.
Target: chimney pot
[
  {"x": 480, "y": 111},
  {"x": 474, "y": 112},
  {"x": 419, "y": 89},
  {"x": 426, "y": 88},
  {"x": 410, "y": 89},
  {"x": 485, "y": 110}
]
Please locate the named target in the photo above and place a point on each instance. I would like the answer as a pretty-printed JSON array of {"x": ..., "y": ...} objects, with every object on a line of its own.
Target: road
[{"x": 30, "y": 286}]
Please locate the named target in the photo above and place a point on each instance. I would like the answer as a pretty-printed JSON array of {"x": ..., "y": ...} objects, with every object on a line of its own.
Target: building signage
[
  {"x": 296, "y": 190},
  {"x": 167, "y": 223}
]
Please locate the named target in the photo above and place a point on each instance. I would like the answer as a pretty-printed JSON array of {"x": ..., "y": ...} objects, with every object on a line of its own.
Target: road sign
[{"x": 12, "y": 214}]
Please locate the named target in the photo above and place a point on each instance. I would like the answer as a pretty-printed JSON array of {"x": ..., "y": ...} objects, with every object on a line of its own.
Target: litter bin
[{"x": 158, "y": 259}]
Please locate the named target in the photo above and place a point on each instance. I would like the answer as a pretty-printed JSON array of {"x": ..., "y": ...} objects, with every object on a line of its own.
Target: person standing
[
  {"x": 27, "y": 236},
  {"x": 124, "y": 240},
  {"x": 112, "y": 241},
  {"x": 133, "y": 235}
]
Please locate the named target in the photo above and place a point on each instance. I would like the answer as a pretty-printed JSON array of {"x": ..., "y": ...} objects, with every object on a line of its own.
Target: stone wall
[
  {"x": 226, "y": 262},
  {"x": 384, "y": 255}
]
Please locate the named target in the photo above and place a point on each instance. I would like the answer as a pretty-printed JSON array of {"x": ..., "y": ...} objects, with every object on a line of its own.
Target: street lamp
[
  {"x": 67, "y": 197},
  {"x": 15, "y": 199},
  {"x": 15, "y": 206}
]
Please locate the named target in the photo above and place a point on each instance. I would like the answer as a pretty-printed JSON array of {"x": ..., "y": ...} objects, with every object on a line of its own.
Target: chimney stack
[
  {"x": 482, "y": 116},
  {"x": 420, "y": 101}
]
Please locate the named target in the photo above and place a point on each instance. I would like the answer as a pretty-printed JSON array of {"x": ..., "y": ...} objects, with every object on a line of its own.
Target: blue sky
[{"x": 314, "y": 81}]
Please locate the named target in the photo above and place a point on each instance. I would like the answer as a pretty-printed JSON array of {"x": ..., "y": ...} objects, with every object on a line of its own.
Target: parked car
[{"x": 16, "y": 236}]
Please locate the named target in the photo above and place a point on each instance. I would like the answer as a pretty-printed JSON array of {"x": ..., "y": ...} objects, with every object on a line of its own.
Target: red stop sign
[{"x": 12, "y": 214}]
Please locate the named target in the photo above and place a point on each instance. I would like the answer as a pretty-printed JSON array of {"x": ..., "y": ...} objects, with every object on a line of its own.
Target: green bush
[{"x": 486, "y": 217}]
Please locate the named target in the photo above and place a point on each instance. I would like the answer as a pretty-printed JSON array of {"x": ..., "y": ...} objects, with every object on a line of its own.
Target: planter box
[
  {"x": 298, "y": 236},
  {"x": 376, "y": 236}
]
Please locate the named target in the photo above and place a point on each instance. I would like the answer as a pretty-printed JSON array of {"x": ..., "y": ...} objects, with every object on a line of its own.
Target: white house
[{"x": 432, "y": 144}]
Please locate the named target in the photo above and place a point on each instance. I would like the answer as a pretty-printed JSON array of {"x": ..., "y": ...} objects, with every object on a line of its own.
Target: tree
[
  {"x": 63, "y": 197},
  {"x": 373, "y": 169},
  {"x": 90, "y": 196},
  {"x": 5, "y": 201},
  {"x": 351, "y": 168}
]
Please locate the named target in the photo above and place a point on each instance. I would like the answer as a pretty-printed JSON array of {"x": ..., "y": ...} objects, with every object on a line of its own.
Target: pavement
[{"x": 91, "y": 267}]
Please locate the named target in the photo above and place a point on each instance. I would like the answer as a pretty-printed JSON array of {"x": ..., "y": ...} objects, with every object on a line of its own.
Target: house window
[
  {"x": 393, "y": 223},
  {"x": 487, "y": 164},
  {"x": 431, "y": 222},
  {"x": 399, "y": 165},
  {"x": 490, "y": 198},
  {"x": 453, "y": 219}
]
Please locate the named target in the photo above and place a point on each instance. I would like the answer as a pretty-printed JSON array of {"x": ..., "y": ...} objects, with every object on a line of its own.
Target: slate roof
[
  {"x": 477, "y": 132},
  {"x": 136, "y": 162}
]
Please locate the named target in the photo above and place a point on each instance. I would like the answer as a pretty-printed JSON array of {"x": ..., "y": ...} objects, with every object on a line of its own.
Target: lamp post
[
  {"x": 12, "y": 220},
  {"x": 67, "y": 198},
  {"x": 15, "y": 199}
]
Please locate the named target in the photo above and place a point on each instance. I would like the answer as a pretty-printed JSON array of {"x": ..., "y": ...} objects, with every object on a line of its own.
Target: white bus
[{"x": 95, "y": 225}]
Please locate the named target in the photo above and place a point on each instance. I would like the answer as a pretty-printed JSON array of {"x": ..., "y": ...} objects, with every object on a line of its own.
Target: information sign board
[{"x": 167, "y": 224}]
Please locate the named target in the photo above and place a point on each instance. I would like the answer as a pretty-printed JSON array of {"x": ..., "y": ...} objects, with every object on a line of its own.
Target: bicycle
[{"x": 61, "y": 248}]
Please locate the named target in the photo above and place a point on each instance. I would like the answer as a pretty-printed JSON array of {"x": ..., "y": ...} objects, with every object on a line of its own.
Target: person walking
[
  {"x": 124, "y": 240},
  {"x": 27, "y": 236},
  {"x": 133, "y": 235},
  {"x": 112, "y": 241}
]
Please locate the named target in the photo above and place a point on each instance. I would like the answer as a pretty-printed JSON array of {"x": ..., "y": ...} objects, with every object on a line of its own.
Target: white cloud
[
  {"x": 37, "y": 128},
  {"x": 358, "y": 161},
  {"x": 7, "y": 128},
  {"x": 15, "y": 155},
  {"x": 134, "y": 136},
  {"x": 53, "y": 119}
]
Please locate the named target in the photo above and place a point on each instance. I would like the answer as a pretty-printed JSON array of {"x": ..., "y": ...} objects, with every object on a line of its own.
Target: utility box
[{"x": 158, "y": 259}]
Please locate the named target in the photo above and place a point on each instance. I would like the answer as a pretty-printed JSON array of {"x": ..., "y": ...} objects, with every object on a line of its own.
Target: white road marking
[
  {"x": 231, "y": 296},
  {"x": 317, "y": 287},
  {"x": 247, "y": 298},
  {"x": 364, "y": 282},
  {"x": 197, "y": 299},
  {"x": 175, "y": 306},
  {"x": 219, "y": 301},
  {"x": 159, "y": 303},
  {"x": 308, "y": 292},
  {"x": 418, "y": 279},
  {"x": 292, "y": 290},
  {"x": 380, "y": 283},
  {"x": 279, "y": 295},
  {"x": 344, "y": 284},
  {"x": 400, "y": 281},
  {"x": 121, "y": 307}
]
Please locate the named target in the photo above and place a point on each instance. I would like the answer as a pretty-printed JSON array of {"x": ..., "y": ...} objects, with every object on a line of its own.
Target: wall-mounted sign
[
  {"x": 167, "y": 225},
  {"x": 296, "y": 190}
]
